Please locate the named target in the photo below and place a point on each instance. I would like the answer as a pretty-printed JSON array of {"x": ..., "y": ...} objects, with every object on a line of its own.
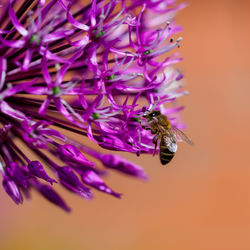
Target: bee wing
[
  {"x": 181, "y": 136},
  {"x": 170, "y": 142}
]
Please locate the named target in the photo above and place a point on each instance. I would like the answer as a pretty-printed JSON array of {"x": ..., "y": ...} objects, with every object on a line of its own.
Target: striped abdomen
[{"x": 168, "y": 148}]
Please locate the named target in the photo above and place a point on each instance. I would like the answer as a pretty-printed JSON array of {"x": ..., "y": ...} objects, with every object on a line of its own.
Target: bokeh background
[{"x": 202, "y": 200}]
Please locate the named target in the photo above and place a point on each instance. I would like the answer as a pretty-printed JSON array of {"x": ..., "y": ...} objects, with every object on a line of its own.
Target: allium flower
[{"x": 86, "y": 68}]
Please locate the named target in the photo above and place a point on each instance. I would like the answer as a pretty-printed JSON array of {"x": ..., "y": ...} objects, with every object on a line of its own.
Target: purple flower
[{"x": 68, "y": 68}]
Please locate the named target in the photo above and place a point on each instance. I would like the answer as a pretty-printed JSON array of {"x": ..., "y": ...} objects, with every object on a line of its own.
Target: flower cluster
[{"x": 84, "y": 68}]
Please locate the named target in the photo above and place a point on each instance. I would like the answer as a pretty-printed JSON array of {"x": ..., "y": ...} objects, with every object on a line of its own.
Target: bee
[{"x": 168, "y": 135}]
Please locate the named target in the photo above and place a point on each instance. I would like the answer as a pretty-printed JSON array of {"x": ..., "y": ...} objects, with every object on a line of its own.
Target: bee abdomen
[{"x": 165, "y": 154}]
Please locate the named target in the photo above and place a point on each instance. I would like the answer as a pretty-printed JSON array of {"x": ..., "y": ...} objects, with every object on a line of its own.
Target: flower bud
[
  {"x": 17, "y": 174},
  {"x": 50, "y": 194},
  {"x": 94, "y": 180},
  {"x": 71, "y": 154},
  {"x": 36, "y": 168},
  {"x": 12, "y": 190},
  {"x": 69, "y": 180},
  {"x": 118, "y": 163}
]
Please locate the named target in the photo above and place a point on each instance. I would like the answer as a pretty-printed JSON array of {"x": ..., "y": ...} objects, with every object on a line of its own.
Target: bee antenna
[{"x": 152, "y": 106}]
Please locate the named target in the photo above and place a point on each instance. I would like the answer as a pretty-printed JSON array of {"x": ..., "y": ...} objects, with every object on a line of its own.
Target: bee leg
[
  {"x": 153, "y": 131},
  {"x": 155, "y": 141}
]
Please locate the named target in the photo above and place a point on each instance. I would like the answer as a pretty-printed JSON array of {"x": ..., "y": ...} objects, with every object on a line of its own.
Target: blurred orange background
[{"x": 202, "y": 200}]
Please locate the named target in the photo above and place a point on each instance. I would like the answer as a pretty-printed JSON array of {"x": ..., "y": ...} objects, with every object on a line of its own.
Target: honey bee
[{"x": 167, "y": 133}]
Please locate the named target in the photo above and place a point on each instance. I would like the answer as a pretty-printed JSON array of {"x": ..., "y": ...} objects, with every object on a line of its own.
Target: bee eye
[{"x": 155, "y": 113}]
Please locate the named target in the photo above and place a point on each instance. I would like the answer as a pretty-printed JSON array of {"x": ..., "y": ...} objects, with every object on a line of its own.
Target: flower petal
[{"x": 16, "y": 22}]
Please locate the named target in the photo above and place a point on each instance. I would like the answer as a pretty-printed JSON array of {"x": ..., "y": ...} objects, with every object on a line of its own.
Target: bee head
[{"x": 151, "y": 114}]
